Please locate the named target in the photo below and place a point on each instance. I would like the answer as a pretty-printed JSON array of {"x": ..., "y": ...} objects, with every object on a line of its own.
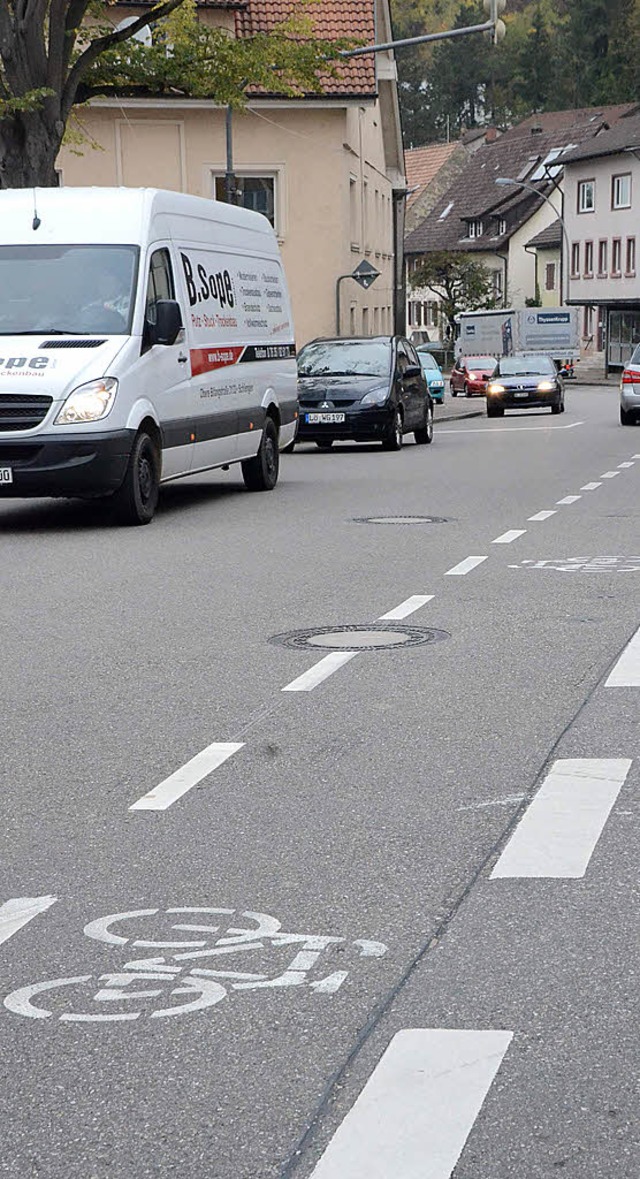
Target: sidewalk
[{"x": 459, "y": 407}]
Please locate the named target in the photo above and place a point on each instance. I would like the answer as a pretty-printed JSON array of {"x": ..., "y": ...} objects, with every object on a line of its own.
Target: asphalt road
[{"x": 388, "y": 921}]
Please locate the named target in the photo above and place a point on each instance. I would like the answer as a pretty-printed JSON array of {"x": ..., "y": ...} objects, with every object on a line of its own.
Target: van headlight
[{"x": 88, "y": 403}]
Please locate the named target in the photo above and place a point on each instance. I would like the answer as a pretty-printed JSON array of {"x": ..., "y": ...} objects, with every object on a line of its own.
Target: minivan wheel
[
  {"x": 424, "y": 436},
  {"x": 393, "y": 435},
  {"x": 261, "y": 472},
  {"x": 136, "y": 500}
]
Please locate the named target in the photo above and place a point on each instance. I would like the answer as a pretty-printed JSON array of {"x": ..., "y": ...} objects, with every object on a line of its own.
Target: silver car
[{"x": 630, "y": 391}]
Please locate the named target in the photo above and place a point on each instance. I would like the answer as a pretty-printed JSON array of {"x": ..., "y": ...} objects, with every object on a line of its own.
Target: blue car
[{"x": 433, "y": 374}]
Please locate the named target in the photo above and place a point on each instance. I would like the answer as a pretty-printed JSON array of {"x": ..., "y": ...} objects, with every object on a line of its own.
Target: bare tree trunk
[{"x": 29, "y": 145}]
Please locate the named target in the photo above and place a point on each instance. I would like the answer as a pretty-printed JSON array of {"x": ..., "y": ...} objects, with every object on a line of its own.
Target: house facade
[
  {"x": 505, "y": 226},
  {"x": 326, "y": 169},
  {"x": 602, "y": 216}
]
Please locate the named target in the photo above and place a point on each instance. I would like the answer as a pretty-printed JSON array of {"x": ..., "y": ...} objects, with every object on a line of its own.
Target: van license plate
[
  {"x": 6, "y": 475},
  {"x": 324, "y": 419}
]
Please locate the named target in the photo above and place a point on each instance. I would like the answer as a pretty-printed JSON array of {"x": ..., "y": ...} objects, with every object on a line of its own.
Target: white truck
[{"x": 549, "y": 330}]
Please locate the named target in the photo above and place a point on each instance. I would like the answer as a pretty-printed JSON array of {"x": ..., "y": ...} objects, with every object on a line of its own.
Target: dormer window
[
  {"x": 475, "y": 229},
  {"x": 502, "y": 226}
]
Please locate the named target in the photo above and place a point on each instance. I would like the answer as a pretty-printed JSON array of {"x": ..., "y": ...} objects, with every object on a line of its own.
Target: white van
[{"x": 144, "y": 336}]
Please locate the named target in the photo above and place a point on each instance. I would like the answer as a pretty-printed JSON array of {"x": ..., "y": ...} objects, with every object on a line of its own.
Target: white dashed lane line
[
  {"x": 415, "y": 602},
  {"x": 465, "y": 566},
  {"x": 417, "y": 1109},
  {"x": 188, "y": 776},
  {"x": 543, "y": 515},
  {"x": 569, "y": 499},
  {"x": 609, "y": 474},
  {"x": 19, "y": 911},
  {"x": 320, "y": 671},
  {"x": 508, "y": 537},
  {"x": 590, "y": 486},
  {"x": 626, "y": 673},
  {"x": 559, "y": 830},
  {"x": 623, "y": 466}
]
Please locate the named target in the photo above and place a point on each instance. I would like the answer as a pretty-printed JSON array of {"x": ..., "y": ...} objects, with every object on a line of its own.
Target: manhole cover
[
  {"x": 372, "y": 637},
  {"x": 400, "y": 519}
]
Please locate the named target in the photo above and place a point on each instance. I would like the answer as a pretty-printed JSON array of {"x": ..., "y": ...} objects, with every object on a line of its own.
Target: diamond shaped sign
[{"x": 365, "y": 274}]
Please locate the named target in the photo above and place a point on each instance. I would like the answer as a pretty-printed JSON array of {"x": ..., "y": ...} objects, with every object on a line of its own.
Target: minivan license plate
[
  {"x": 324, "y": 419},
  {"x": 6, "y": 475}
]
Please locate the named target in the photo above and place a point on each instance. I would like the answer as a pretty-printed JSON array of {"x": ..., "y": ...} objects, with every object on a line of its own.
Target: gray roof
[
  {"x": 549, "y": 238},
  {"x": 521, "y": 153},
  {"x": 621, "y": 137}
]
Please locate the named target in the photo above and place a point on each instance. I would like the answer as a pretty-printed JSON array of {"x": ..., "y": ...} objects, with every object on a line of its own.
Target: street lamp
[{"x": 507, "y": 180}]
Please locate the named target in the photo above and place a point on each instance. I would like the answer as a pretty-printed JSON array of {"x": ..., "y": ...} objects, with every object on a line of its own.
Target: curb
[{"x": 458, "y": 417}]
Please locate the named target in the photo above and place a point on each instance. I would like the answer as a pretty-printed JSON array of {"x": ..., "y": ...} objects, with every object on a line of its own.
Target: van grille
[{"x": 18, "y": 411}]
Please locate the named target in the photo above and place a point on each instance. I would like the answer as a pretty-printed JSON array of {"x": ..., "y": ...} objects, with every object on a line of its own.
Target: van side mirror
[{"x": 168, "y": 322}]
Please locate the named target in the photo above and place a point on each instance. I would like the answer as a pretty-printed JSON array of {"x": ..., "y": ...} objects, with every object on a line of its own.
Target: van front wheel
[
  {"x": 261, "y": 473},
  {"x": 137, "y": 499}
]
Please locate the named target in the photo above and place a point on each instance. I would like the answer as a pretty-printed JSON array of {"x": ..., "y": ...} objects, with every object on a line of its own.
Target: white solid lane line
[
  {"x": 543, "y": 515},
  {"x": 465, "y": 566},
  {"x": 320, "y": 671},
  {"x": 406, "y": 608},
  {"x": 609, "y": 474},
  {"x": 626, "y": 673},
  {"x": 187, "y": 776},
  {"x": 415, "y": 1113},
  {"x": 557, "y": 834},
  {"x": 590, "y": 486},
  {"x": 19, "y": 911},
  {"x": 491, "y": 430},
  {"x": 569, "y": 499},
  {"x": 508, "y": 537}
]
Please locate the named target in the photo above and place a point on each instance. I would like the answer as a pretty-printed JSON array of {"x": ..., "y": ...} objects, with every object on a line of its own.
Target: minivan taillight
[{"x": 631, "y": 376}]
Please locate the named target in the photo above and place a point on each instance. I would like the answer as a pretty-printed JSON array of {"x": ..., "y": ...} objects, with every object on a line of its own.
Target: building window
[
  {"x": 254, "y": 192},
  {"x": 587, "y": 323},
  {"x": 631, "y": 257},
  {"x": 365, "y": 321},
  {"x": 588, "y": 259},
  {"x": 475, "y": 229},
  {"x": 502, "y": 226},
  {"x": 575, "y": 259},
  {"x": 603, "y": 250},
  {"x": 366, "y": 215},
  {"x": 496, "y": 280},
  {"x": 616, "y": 257},
  {"x": 376, "y": 321},
  {"x": 586, "y": 196},
  {"x": 353, "y": 210},
  {"x": 621, "y": 191},
  {"x": 550, "y": 276},
  {"x": 352, "y": 320}
]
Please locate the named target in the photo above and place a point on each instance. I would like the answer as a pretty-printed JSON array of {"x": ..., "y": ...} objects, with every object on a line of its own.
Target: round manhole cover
[
  {"x": 400, "y": 519},
  {"x": 371, "y": 637}
]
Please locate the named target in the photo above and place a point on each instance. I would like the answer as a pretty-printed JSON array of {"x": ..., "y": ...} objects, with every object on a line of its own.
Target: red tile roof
[
  {"x": 422, "y": 164},
  {"x": 332, "y": 20}
]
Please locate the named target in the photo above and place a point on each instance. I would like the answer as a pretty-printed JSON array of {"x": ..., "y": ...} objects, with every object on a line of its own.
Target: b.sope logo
[
  {"x": 26, "y": 366},
  {"x": 204, "y": 285}
]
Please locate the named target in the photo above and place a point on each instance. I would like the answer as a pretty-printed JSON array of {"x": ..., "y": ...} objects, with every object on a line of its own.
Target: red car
[{"x": 470, "y": 374}]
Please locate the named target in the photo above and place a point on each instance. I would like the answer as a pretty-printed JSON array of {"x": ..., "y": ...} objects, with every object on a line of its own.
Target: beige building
[{"x": 327, "y": 170}]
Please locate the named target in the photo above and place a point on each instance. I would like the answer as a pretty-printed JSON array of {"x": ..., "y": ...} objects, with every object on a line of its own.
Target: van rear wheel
[
  {"x": 136, "y": 500},
  {"x": 261, "y": 473}
]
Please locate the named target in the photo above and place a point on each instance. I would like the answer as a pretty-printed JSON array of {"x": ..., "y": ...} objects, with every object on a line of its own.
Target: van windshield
[{"x": 75, "y": 289}]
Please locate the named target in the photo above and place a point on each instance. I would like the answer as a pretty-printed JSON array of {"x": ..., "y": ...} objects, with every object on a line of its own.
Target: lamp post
[{"x": 507, "y": 180}]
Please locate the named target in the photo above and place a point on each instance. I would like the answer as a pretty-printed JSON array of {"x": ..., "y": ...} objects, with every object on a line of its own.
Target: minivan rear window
[{"x": 75, "y": 289}]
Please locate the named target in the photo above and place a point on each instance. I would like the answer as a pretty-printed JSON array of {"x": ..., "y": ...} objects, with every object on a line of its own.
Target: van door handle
[{"x": 182, "y": 359}]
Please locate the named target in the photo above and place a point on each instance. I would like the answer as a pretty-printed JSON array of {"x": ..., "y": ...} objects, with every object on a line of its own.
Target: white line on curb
[
  {"x": 543, "y": 515},
  {"x": 508, "y": 537},
  {"x": 569, "y": 499},
  {"x": 188, "y": 776},
  {"x": 406, "y": 608},
  {"x": 415, "y": 1113},
  {"x": 559, "y": 830},
  {"x": 590, "y": 486},
  {"x": 626, "y": 673},
  {"x": 465, "y": 566},
  {"x": 320, "y": 671},
  {"x": 19, "y": 911}
]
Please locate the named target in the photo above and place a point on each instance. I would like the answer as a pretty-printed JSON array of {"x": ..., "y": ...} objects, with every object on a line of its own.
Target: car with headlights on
[
  {"x": 524, "y": 382},
  {"x": 470, "y": 374},
  {"x": 432, "y": 374},
  {"x": 362, "y": 389},
  {"x": 630, "y": 391}
]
